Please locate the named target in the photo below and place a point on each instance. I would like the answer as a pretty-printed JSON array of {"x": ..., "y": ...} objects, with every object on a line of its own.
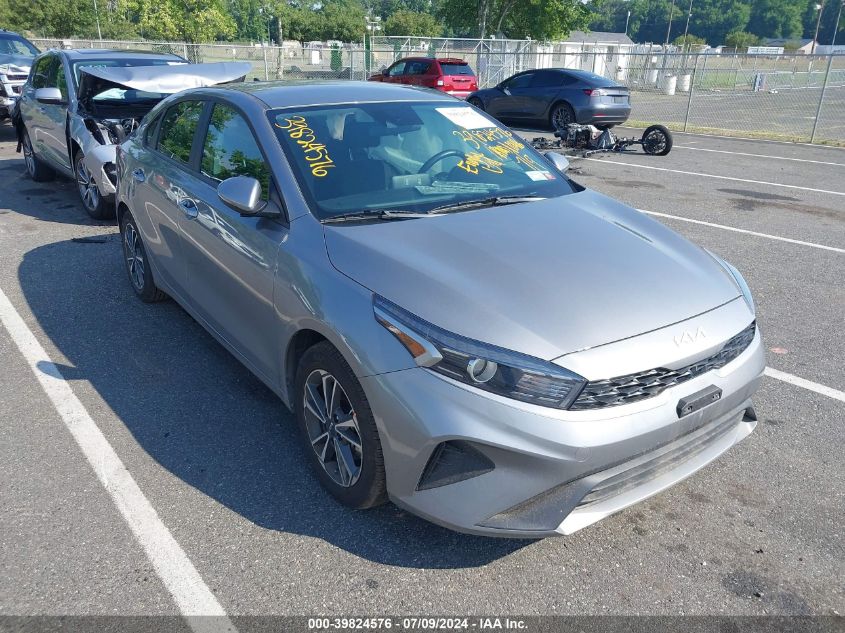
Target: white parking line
[
  {"x": 805, "y": 384},
  {"x": 746, "y": 231},
  {"x": 724, "y": 151},
  {"x": 758, "y": 140},
  {"x": 695, "y": 173},
  {"x": 177, "y": 572}
]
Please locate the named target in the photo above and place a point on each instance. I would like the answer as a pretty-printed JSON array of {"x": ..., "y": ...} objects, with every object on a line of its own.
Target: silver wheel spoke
[
  {"x": 344, "y": 458},
  {"x": 313, "y": 404},
  {"x": 347, "y": 437}
]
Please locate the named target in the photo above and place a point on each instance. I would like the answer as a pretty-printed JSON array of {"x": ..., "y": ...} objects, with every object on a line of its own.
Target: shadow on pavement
[
  {"x": 204, "y": 417},
  {"x": 53, "y": 201}
]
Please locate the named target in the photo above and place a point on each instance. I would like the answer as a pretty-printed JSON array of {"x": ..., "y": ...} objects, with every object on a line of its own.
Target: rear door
[
  {"x": 231, "y": 259},
  {"x": 46, "y": 122},
  {"x": 415, "y": 72},
  {"x": 160, "y": 190}
]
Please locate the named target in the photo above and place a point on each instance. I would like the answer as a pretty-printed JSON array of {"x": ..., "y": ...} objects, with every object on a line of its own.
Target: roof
[
  {"x": 601, "y": 37},
  {"x": 113, "y": 53},
  {"x": 281, "y": 94},
  {"x": 782, "y": 41}
]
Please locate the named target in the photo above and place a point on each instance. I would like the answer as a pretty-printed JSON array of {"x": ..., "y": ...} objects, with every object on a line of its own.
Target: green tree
[
  {"x": 776, "y": 18},
  {"x": 538, "y": 19},
  {"x": 741, "y": 39},
  {"x": 691, "y": 41},
  {"x": 191, "y": 21},
  {"x": 412, "y": 23}
]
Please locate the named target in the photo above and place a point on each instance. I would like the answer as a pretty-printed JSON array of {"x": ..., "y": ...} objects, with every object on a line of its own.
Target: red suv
[{"x": 452, "y": 76}]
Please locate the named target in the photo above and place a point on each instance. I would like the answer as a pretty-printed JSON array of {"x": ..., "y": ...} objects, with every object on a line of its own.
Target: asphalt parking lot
[{"x": 216, "y": 456}]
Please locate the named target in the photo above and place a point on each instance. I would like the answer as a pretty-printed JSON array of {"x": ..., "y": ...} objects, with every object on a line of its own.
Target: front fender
[{"x": 96, "y": 160}]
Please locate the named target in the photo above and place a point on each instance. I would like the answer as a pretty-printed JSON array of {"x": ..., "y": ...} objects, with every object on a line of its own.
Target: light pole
[
  {"x": 373, "y": 25},
  {"x": 669, "y": 28},
  {"x": 819, "y": 8},
  {"x": 97, "y": 15},
  {"x": 629, "y": 17},
  {"x": 686, "y": 28},
  {"x": 836, "y": 25}
]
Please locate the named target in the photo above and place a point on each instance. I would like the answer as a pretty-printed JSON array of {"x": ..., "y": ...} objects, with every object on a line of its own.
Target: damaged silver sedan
[{"x": 78, "y": 105}]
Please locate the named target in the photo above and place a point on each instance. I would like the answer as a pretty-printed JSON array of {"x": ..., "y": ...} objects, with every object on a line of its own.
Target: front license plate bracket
[{"x": 698, "y": 400}]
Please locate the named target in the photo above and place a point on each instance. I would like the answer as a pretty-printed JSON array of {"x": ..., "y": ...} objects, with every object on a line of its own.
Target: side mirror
[
  {"x": 558, "y": 161},
  {"x": 50, "y": 96},
  {"x": 243, "y": 194}
]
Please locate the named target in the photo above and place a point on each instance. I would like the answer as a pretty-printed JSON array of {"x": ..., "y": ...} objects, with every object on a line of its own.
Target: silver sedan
[{"x": 458, "y": 326}]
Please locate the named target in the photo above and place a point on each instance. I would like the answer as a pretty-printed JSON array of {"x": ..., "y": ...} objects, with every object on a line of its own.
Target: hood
[
  {"x": 162, "y": 79},
  {"x": 17, "y": 64},
  {"x": 544, "y": 278}
]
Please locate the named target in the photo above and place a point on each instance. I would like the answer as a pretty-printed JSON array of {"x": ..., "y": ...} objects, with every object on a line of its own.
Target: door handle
[
  {"x": 189, "y": 208},
  {"x": 139, "y": 175}
]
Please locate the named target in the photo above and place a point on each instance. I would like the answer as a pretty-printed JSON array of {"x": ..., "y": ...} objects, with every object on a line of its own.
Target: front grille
[
  {"x": 17, "y": 77},
  {"x": 613, "y": 392}
]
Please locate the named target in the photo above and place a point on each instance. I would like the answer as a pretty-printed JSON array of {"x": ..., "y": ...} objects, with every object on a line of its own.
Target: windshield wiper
[
  {"x": 375, "y": 214},
  {"x": 485, "y": 202}
]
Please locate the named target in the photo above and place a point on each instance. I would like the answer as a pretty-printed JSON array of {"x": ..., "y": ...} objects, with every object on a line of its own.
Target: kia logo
[{"x": 690, "y": 337}]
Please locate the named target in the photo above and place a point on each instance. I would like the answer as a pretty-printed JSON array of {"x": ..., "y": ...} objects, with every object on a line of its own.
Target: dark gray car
[{"x": 556, "y": 97}]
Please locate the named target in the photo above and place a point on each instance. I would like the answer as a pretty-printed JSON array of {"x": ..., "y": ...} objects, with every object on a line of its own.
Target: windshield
[
  {"x": 121, "y": 63},
  {"x": 455, "y": 69},
  {"x": 407, "y": 156},
  {"x": 17, "y": 46}
]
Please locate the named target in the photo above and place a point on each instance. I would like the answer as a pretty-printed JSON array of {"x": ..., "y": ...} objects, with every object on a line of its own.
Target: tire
[
  {"x": 476, "y": 103},
  {"x": 562, "y": 115},
  {"x": 136, "y": 262},
  {"x": 362, "y": 484},
  {"x": 37, "y": 169},
  {"x": 657, "y": 140},
  {"x": 96, "y": 205}
]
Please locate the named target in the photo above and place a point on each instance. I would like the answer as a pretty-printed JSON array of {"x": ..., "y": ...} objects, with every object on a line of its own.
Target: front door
[{"x": 231, "y": 259}]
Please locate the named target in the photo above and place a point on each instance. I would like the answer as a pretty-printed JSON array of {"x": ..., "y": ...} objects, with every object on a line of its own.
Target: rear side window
[
  {"x": 178, "y": 128},
  {"x": 230, "y": 149},
  {"x": 417, "y": 68},
  {"x": 456, "y": 69},
  {"x": 548, "y": 79}
]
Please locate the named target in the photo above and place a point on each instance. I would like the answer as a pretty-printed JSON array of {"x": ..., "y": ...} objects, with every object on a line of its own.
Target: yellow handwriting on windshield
[
  {"x": 500, "y": 143},
  {"x": 473, "y": 160},
  {"x": 315, "y": 153}
]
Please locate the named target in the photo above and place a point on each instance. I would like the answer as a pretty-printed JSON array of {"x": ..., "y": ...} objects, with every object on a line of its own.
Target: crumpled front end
[{"x": 12, "y": 79}]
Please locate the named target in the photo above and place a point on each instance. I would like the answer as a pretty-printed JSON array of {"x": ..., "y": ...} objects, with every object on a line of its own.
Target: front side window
[
  {"x": 230, "y": 149},
  {"x": 410, "y": 156},
  {"x": 520, "y": 81},
  {"x": 41, "y": 72},
  {"x": 397, "y": 69},
  {"x": 178, "y": 128}
]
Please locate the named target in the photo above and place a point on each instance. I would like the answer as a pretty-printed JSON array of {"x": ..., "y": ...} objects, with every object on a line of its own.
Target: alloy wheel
[
  {"x": 654, "y": 142},
  {"x": 134, "y": 253},
  {"x": 333, "y": 428},
  {"x": 88, "y": 191},
  {"x": 561, "y": 117}
]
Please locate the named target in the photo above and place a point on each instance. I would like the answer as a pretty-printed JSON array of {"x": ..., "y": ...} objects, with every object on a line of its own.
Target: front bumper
[
  {"x": 9, "y": 94},
  {"x": 555, "y": 471}
]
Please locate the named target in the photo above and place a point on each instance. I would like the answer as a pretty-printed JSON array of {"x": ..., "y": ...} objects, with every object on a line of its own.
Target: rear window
[{"x": 456, "y": 69}]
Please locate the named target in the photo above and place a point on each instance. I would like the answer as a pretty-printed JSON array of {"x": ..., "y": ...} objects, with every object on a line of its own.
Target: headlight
[
  {"x": 484, "y": 366},
  {"x": 740, "y": 281}
]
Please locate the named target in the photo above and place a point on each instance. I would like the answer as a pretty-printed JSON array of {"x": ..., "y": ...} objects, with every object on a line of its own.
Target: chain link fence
[{"x": 787, "y": 97}]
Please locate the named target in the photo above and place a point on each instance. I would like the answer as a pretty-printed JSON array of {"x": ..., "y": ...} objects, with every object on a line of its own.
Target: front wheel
[
  {"x": 339, "y": 430},
  {"x": 97, "y": 206},
  {"x": 657, "y": 140}
]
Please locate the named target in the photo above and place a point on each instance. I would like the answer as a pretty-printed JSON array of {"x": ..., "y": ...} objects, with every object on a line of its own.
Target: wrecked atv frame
[{"x": 587, "y": 140}]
